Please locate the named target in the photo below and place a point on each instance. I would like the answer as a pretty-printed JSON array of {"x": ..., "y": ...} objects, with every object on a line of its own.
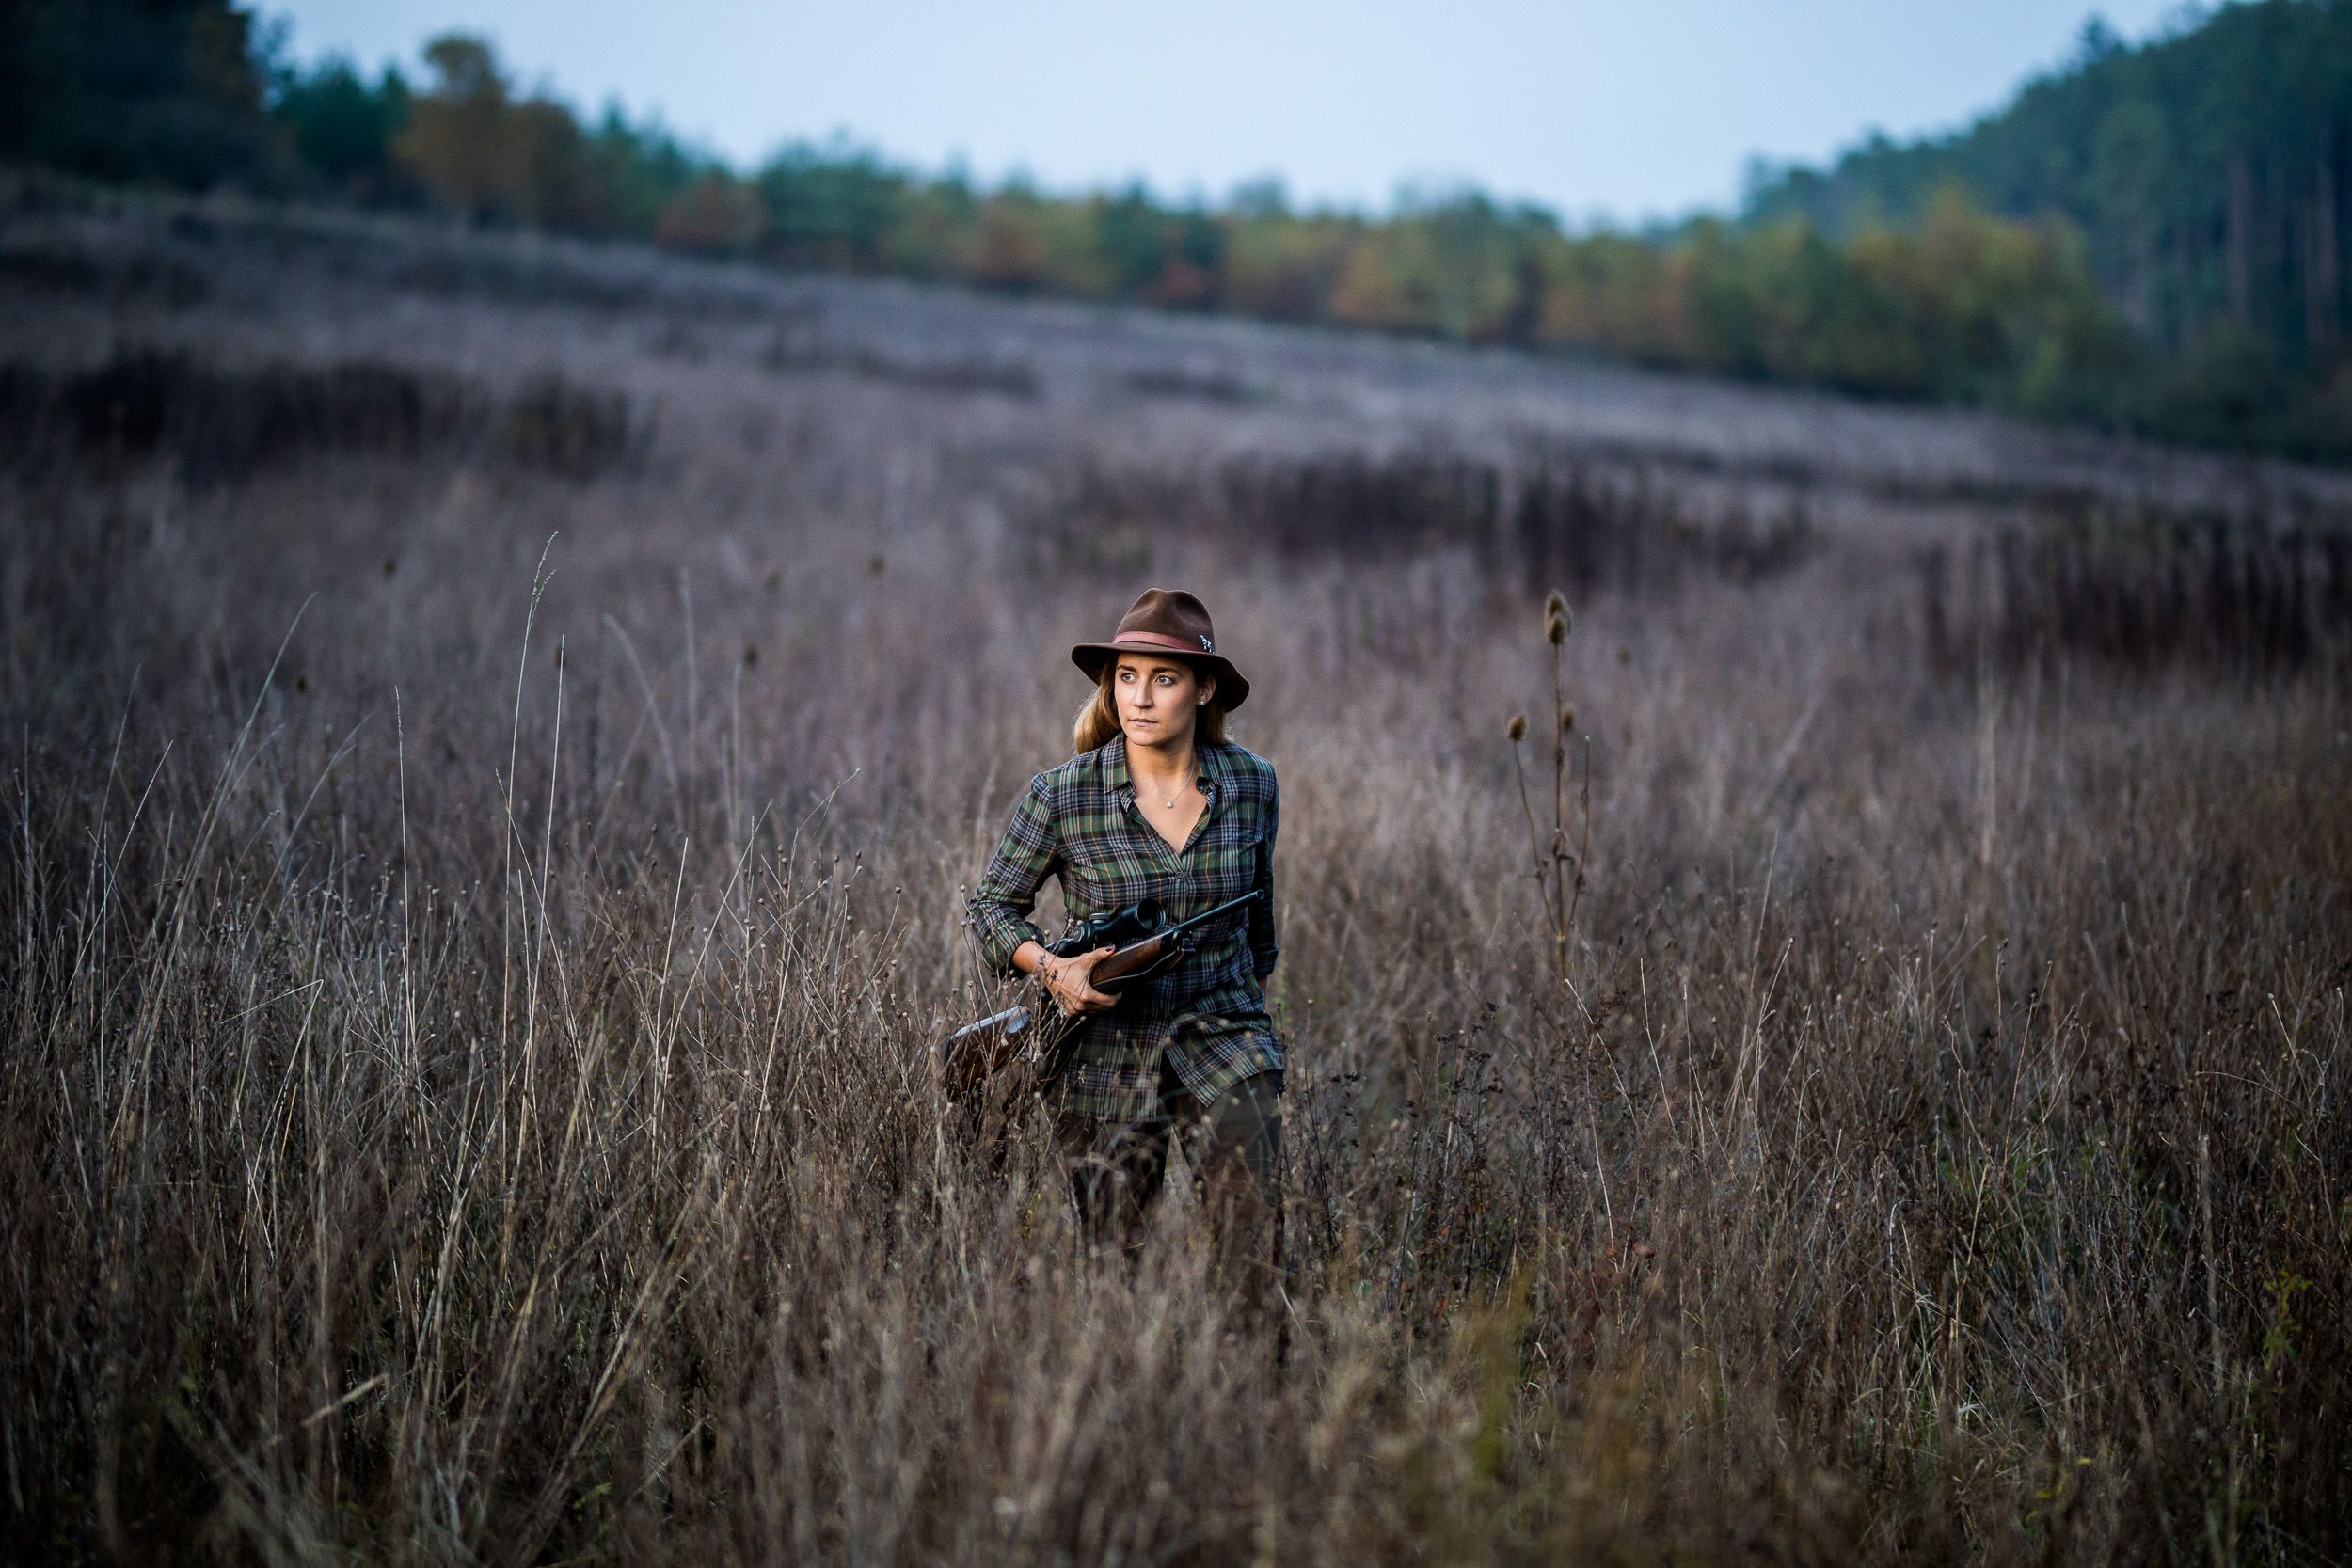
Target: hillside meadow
[{"x": 500, "y": 732}]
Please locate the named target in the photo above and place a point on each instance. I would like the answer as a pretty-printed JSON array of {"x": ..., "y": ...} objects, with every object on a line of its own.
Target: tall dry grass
[{"x": 466, "y": 1093}]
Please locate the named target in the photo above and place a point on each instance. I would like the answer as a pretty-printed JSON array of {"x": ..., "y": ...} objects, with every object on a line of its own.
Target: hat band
[{"x": 1155, "y": 640}]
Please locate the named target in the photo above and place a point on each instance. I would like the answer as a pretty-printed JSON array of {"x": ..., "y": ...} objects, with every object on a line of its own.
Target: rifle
[{"x": 1144, "y": 946}]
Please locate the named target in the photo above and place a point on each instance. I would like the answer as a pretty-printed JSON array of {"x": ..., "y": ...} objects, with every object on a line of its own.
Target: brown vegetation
[
  {"x": 2141, "y": 594},
  {"x": 464, "y": 1090},
  {"x": 213, "y": 424}
]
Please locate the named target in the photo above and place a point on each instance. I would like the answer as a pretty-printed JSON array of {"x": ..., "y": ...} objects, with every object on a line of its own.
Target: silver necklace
[{"x": 1169, "y": 804}]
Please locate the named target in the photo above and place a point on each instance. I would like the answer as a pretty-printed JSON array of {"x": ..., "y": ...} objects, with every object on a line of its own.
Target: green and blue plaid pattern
[{"x": 1207, "y": 1014}]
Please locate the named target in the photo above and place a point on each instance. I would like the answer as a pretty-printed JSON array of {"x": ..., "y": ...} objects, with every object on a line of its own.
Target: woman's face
[{"x": 1159, "y": 698}]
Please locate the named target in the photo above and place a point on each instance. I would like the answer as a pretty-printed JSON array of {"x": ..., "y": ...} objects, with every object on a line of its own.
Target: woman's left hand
[{"x": 1070, "y": 982}]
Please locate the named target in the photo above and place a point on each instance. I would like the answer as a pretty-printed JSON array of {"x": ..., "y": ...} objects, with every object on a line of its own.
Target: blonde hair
[{"x": 1098, "y": 721}]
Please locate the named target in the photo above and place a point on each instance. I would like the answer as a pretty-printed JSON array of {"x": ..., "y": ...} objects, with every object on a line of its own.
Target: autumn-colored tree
[
  {"x": 1283, "y": 266},
  {"x": 717, "y": 214},
  {"x": 487, "y": 155},
  {"x": 1010, "y": 250},
  {"x": 550, "y": 181},
  {"x": 1604, "y": 291},
  {"x": 455, "y": 139},
  {"x": 1458, "y": 265},
  {"x": 936, "y": 232}
]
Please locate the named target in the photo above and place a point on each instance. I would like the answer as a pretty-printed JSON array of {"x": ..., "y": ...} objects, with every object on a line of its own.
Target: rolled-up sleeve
[
  {"x": 1030, "y": 851},
  {"x": 1262, "y": 951}
]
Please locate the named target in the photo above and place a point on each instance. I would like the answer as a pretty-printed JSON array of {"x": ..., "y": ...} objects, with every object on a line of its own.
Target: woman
[{"x": 1156, "y": 804}]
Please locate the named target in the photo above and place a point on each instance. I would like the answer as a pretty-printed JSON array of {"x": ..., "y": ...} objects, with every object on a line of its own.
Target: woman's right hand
[{"x": 1070, "y": 982}]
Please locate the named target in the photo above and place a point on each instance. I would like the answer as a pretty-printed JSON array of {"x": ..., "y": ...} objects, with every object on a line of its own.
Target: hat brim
[{"x": 1232, "y": 688}]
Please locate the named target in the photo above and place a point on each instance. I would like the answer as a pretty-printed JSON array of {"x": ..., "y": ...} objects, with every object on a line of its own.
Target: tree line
[
  {"x": 2205, "y": 171},
  {"x": 2053, "y": 261}
]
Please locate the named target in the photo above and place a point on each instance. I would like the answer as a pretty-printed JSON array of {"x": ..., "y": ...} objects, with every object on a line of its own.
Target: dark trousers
[{"x": 1233, "y": 1147}]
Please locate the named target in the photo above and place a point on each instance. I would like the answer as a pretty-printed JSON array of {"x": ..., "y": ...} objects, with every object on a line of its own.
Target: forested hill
[
  {"x": 2206, "y": 170},
  {"x": 2147, "y": 241}
]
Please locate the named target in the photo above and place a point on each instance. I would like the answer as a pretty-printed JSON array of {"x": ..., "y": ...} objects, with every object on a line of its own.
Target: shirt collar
[{"x": 1209, "y": 763}]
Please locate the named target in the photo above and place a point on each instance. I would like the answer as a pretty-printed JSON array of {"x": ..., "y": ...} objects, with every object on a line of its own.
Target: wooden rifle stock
[{"x": 975, "y": 1052}]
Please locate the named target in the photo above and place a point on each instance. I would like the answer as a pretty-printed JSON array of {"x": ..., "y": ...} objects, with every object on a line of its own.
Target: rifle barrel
[
  {"x": 1230, "y": 903},
  {"x": 1153, "y": 954}
]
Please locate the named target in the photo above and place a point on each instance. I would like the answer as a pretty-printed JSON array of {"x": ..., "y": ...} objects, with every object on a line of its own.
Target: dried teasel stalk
[{"x": 1556, "y": 619}]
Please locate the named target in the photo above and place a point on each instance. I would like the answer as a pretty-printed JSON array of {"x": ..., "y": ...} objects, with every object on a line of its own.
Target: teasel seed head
[
  {"x": 1516, "y": 728},
  {"x": 1556, "y": 618}
]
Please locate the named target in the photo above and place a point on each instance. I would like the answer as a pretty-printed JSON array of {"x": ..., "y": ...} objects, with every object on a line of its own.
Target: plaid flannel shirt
[{"x": 1207, "y": 1014}]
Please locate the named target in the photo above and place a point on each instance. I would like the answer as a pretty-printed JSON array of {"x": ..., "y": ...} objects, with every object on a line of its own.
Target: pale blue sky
[{"x": 1624, "y": 108}]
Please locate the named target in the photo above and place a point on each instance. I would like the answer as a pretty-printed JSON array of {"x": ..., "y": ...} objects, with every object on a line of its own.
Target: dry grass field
[{"x": 498, "y": 733}]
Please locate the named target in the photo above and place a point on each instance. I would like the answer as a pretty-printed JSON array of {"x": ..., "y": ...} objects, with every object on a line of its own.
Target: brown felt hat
[{"x": 1167, "y": 621}]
